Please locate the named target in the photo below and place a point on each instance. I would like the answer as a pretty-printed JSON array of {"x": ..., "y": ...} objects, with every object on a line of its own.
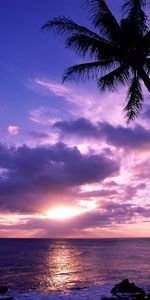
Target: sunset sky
[{"x": 69, "y": 164}]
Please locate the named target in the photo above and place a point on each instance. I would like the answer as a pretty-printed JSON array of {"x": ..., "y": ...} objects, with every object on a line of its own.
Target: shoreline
[{"x": 96, "y": 292}]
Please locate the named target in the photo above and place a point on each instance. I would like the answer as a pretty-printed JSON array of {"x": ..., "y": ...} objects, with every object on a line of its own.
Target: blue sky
[{"x": 27, "y": 52}]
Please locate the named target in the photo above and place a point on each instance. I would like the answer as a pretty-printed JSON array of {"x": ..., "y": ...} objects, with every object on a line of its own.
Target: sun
[{"x": 63, "y": 213}]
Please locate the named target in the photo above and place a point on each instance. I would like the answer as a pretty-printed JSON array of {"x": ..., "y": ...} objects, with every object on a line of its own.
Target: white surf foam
[{"x": 94, "y": 293}]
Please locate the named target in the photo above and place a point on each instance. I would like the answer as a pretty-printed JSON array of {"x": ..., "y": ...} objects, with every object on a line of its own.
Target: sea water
[{"x": 72, "y": 268}]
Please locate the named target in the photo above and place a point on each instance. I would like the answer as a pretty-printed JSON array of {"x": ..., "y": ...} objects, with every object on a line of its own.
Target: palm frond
[
  {"x": 95, "y": 48},
  {"x": 87, "y": 71},
  {"x": 103, "y": 19},
  {"x": 114, "y": 79},
  {"x": 146, "y": 43},
  {"x": 135, "y": 100},
  {"x": 129, "y": 5},
  {"x": 137, "y": 18},
  {"x": 147, "y": 66},
  {"x": 144, "y": 76},
  {"x": 64, "y": 26}
]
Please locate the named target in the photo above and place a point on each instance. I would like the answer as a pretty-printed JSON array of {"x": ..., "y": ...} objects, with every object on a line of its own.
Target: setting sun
[{"x": 62, "y": 213}]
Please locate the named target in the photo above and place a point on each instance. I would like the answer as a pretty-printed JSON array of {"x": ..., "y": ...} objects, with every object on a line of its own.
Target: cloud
[
  {"x": 37, "y": 135},
  {"x": 110, "y": 214},
  {"x": 43, "y": 115},
  {"x": 142, "y": 170},
  {"x": 99, "y": 193},
  {"x": 146, "y": 113},
  {"x": 80, "y": 127},
  {"x": 119, "y": 136},
  {"x": 13, "y": 130},
  {"x": 30, "y": 177},
  {"x": 98, "y": 105},
  {"x": 70, "y": 94},
  {"x": 126, "y": 137}
]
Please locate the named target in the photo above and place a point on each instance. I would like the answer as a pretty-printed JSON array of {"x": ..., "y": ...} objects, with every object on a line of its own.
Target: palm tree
[{"x": 117, "y": 53}]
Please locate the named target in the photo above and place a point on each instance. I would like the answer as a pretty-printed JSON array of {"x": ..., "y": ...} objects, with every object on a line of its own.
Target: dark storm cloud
[
  {"x": 118, "y": 136},
  {"x": 28, "y": 174}
]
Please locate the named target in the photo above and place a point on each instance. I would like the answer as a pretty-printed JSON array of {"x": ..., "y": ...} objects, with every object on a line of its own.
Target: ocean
[{"x": 72, "y": 268}]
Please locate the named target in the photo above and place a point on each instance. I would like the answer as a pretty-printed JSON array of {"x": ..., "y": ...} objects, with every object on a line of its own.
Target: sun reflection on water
[
  {"x": 66, "y": 267},
  {"x": 69, "y": 265}
]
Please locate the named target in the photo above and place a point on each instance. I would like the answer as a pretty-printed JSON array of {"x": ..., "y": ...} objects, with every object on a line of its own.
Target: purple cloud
[
  {"x": 37, "y": 135},
  {"x": 31, "y": 174},
  {"x": 110, "y": 214},
  {"x": 119, "y": 136},
  {"x": 99, "y": 193},
  {"x": 80, "y": 127}
]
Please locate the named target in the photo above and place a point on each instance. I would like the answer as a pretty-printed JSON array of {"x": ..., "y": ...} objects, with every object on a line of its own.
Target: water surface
[{"x": 59, "y": 264}]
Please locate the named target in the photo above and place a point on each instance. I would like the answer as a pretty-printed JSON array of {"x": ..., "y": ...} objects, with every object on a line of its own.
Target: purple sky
[{"x": 65, "y": 145}]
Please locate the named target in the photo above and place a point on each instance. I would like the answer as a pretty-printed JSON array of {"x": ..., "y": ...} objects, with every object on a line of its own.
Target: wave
[{"x": 93, "y": 293}]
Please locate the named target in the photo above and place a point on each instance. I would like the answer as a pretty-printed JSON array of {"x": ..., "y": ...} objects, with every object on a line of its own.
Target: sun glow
[{"x": 63, "y": 213}]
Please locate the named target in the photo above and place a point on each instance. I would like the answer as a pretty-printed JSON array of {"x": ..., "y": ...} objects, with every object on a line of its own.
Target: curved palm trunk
[{"x": 145, "y": 78}]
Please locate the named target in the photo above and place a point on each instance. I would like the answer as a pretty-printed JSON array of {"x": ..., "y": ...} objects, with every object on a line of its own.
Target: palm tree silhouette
[{"x": 118, "y": 53}]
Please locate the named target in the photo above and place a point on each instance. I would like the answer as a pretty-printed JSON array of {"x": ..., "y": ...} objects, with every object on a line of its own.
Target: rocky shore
[
  {"x": 124, "y": 290},
  {"x": 127, "y": 290},
  {"x": 5, "y": 294}
]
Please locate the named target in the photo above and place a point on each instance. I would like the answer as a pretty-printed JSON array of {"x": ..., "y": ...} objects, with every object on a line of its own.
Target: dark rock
[
  {"x": 127, "y": 287},
  {"x": 126, "y": 297},
  {"x": 3, "y": 289},
  {"x": 148, "y": 296}
]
